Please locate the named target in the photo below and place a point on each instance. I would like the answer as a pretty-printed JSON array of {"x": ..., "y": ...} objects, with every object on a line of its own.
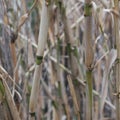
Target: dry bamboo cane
[
  {"x": 72, "y": 60},
  {"x": 10, "y": 101},
  {"x": 88, "y": 56},
  {"x": 44, "y": 24},
  {"x": 117, "y": 69}
]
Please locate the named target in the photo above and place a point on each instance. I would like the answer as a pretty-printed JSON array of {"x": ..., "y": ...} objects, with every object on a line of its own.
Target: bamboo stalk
[
  {"x": 63, "y": 93},
  {"x": 44, "y": 23},
  {"x": 88, "y": 56},
  {"x": 117, "y": 69},
  {"x": 10, "y": 101},
  {"x": 4, "y": 108},
  {"x": 14, "y": 58},
  {"x": 81, "y": 82},
  {"x": 73, "y": 94},
  {"x": 73, "y": 60}
]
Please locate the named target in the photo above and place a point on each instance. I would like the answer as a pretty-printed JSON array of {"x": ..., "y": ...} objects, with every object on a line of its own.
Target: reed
[
  {"x": 89, "y": 55},
  {"x": 117, "y": 67},
  {"x": 42, "y": 40}
]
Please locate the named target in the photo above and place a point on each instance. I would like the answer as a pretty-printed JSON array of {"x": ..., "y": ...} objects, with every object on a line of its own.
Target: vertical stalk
[
  {"x": 44, "y": 24},
  {"x": 72, "y": 59},
  {"x": 117, "y": 69},
  {"x": 14, "y": 58},
  {"x": 4, "y": 108},
  {"x": 88, "y": 55}
]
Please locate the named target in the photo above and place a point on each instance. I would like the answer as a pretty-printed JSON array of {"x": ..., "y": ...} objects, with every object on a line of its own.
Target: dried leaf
[
  {"x": 22, "y": 20},
  {"x": 111, "y": 58}
]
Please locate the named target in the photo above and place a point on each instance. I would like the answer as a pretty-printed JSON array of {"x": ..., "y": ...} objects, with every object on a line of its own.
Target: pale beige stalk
[
  {"x": 44, "y": 23},
  {"x": 117, "y": 45}
]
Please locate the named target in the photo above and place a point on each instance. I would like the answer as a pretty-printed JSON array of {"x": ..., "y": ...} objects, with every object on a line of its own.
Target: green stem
[{"x": 89, "y": 91}]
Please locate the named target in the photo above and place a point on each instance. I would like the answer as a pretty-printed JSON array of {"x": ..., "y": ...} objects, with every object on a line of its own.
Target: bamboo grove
[{"x": 59, "y": 60}]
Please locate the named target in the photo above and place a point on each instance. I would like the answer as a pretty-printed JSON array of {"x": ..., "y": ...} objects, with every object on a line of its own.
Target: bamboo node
[
  {"x": 87, "y": 9},
  {"x": 68, "y": 47},
  {"x": 47, "y": 2},
  {"x": 39, "y": 60},
  {"x": 117, "y": 61},
  {"x": 33, "y": 114},
  {"x": 13, "y": 37},
  {"x": 55, "y": 104},
  {"x": 61, "y": 7},
  {"x": 85, "y": 81},
  {"x": 90, "y": 68},
  {"x": 117, "y": 95}
]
